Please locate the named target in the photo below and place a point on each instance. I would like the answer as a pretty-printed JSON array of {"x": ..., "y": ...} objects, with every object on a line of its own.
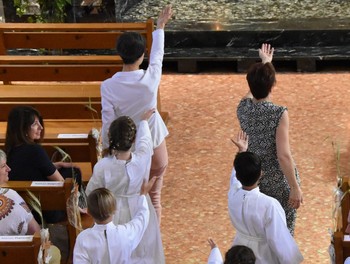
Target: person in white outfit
[
  {"x": 235, "y": 255},
  {"x": 259, "y": 220},
  {"x": 105, "y": 242},
  {"x": 122, "y": 172},
  {"x": 133, "y": 91}
]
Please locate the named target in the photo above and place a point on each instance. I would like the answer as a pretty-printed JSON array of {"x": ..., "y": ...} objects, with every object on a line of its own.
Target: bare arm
[
  {"x": 286, "y": 161},
  {"x": 266, "y": 55},
  {"x": 56, "y": 176},
  {"x": 33, "y": 227}
]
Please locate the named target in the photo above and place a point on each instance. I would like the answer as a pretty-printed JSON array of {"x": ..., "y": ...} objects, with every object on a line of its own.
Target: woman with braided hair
[{"x": 123, "y": 171}]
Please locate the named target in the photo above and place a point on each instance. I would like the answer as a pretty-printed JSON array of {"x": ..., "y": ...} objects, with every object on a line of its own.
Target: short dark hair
[
  {"x": 261, "y": 78},
  {"x": 248, "y": 168},
  {"x": 239, "y": 255},
  {"x": 122, "y": 133},
  {"x": 131, "y": 46},
  {"x": 19, "y": 122},
  {"x": 101, "y": 204}
]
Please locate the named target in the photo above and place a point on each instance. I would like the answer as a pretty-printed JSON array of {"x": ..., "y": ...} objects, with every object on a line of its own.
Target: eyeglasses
[{"x": 36, "y": 124}]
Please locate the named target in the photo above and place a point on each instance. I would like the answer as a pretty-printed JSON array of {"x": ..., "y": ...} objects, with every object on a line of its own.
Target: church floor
[{"x": 203, "y": 119}]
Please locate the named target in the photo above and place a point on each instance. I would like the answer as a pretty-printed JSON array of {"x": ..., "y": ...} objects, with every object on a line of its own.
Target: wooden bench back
[
  {"x": 19, "y": 251},
  {"x": 57, "y": 41},
  {"x": 51, "y": 109},
  {"x": 51, "y": 198},
  {"x": 341, "y": 247},
  {"x": 60, "y": 36}
]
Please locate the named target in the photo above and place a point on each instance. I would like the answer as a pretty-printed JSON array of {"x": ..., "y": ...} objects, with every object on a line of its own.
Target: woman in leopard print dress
[{"x": 267, "y": 126}]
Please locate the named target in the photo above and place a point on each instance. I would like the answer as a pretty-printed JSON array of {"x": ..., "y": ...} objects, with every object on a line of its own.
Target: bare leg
[{"x": 158, "y": 167}]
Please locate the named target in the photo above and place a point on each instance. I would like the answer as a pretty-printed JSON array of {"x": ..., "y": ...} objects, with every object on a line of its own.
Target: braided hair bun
[{"x": 122, "y": 134}]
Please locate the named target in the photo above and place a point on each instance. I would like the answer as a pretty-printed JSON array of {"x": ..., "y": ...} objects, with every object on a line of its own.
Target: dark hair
[
  {"x": 131, "y": 46},
  {"x": 261, "y": 78},
  {"x": 248, "y": 168},
  {"x": 239, "y": 255},
  {"x": 122, "y": 134},
  {"x": 19, "y": 123},
  {"x": 101, "y": 204}
]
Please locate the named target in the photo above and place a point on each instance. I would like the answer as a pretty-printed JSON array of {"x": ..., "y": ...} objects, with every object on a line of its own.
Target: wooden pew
[
  {"x": 51, "y": 109},
  {"x": 341, "y": 247},
  {"x": 58, "y": 42},
  {"x": 67, "y": 101},
  {"x": 51, "y": 198},
  {"x": 82, "y": 149},
  {"x": 14, "y": 252}
]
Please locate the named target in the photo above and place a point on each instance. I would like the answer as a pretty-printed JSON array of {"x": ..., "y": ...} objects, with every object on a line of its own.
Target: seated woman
[
  {"x": 28, "y": 160},
  {"x": 26, "y": 157},
  {"x": 15, "y": 216}
]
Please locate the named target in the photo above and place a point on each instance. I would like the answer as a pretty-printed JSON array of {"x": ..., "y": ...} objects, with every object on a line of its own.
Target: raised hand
[
  {"x": 266, "y": 53},
  {"x": 164, "y": 17},
  {"x": 147, "y": 185},
  {"x": 211, "y": 243},
  {"x": 241, "y": 141}
]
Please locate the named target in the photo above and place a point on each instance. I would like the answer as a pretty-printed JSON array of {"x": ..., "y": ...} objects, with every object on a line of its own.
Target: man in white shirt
[{"x": 133, "y": 91}]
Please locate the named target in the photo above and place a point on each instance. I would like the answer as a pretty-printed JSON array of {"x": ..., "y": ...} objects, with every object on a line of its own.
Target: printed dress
[{"x": 260, "y": 121}]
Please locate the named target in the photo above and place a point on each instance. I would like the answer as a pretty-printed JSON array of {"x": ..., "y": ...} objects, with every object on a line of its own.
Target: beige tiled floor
[{"x": 203, "y": 118}]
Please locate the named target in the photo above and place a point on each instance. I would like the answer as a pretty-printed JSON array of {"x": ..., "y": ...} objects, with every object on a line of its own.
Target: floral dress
[{"x": 260, "y": 121}]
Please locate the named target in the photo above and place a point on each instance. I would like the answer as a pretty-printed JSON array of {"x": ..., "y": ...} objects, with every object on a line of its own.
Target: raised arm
[
  {"x": 285, "y": 160},
  {"x": 164, "y": 17},
  {"x": 266, "y": 56}
]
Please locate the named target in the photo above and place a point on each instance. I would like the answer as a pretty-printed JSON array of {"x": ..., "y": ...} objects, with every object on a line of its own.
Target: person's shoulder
[
  {"x": 83, "y": 235},
  {"x": 32, "y": 147},
  {"x": 271, "y": 202},
  {"x": 9, "y": 193}
]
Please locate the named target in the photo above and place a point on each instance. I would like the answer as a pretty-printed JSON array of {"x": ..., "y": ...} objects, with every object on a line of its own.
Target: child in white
[
  {"x": 105, "y": 242},
  {"x": 122, "y": 171},
  {"x": 259, "y": 220}
]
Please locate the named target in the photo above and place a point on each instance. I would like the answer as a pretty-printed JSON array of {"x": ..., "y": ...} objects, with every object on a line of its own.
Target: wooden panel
[
  {"x": 53, "y": 92},
  {"x": 134, "y": 26},
  {"x": 61, "y": 40},
  {"x": 61, "y": 59},
  {"x": 44, "y": 73},
  {"x": 9, "y": 251},
  {"x": 57, "y": 110}
]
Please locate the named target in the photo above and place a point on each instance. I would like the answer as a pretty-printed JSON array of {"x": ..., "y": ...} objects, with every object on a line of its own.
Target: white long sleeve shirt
[
  {"x": 132, "y": 93},
  {"x": 260, "y": 223},
  {"x": 111, "y": 244},
  {"x": 215, "y": 256}
]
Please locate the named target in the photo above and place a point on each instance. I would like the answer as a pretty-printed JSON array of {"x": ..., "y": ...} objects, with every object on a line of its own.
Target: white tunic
[
  {"x": 111, "y": 244},
  {"x": 124, "y": 180},
  {"x": 215, "y": 256},
  {"x": 132, "y": 93},
  {"x": 260, "y": 223}
]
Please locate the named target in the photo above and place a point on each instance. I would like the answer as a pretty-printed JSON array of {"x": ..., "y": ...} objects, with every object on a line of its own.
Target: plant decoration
[
  {"x": 34, "y": 202},
  {"x": 65, "y": 157},
  {"x": 44, "y": 254},
  {"x": 338, "y": 193},
  {"x": 51, "y": 11}
]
